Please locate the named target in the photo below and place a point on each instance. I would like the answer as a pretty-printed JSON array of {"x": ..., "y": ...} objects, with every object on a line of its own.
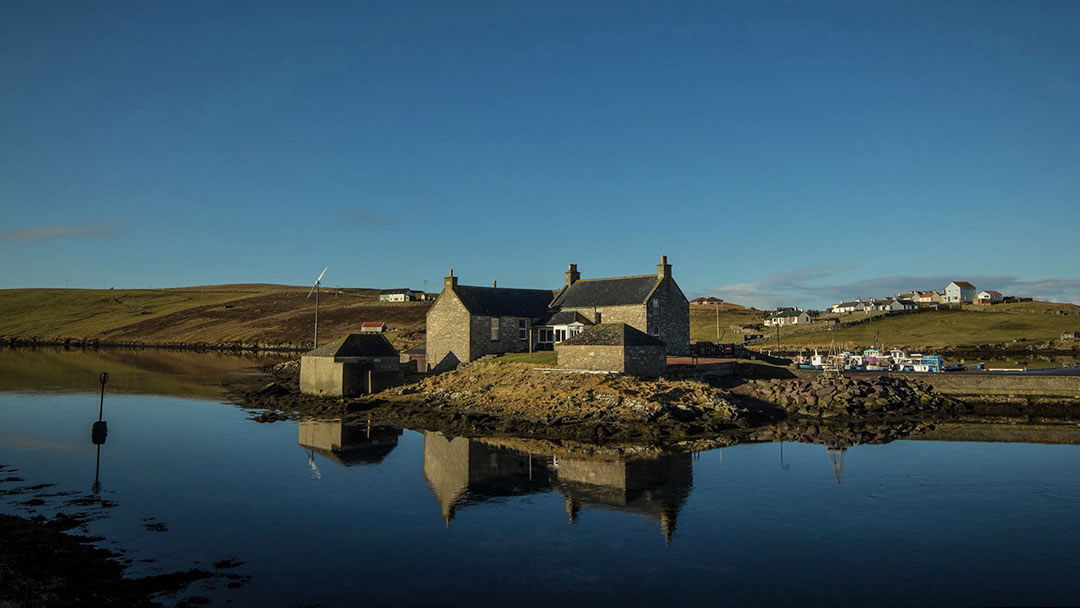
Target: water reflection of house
[
  {"x": 348, "y": 443},
  {"x": 463, "y": 471},
  {"x": 654, "y": 488}
]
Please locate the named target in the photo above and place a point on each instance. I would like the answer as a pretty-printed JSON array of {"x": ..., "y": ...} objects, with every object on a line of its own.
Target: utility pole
[
  {"x": 777, "y": 336},
  {"x": 717, "y": 306}
]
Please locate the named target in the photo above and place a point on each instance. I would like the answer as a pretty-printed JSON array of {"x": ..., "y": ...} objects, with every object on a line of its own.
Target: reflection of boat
[
  {"x": 348, "y": 443},
  {"x": 463, "y": 471}
]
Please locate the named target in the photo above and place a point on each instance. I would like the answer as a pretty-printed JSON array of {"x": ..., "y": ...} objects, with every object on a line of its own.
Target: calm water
[{"x": 343, "y": 512}]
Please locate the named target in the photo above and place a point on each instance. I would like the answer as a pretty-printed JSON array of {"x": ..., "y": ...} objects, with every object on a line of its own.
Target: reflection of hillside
[
  {"x": 1062, "y": 434},
  {"x": 837, "y": 434},
  {"x": 348, "y": 443},
  {"x": 462, "y": 472},
  {"x": 131, "y": 371}
]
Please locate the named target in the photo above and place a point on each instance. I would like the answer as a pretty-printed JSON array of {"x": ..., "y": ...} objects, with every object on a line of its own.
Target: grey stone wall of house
[
  {"x": 447, "y": 336},
  {"x": 673, "y": 319},
  {"x": 633, "y": 315},
  {"x": 647, "y": 361},
  {"x": 320, "y": 376},
  {"x": 509, "y": 337},
  {"x": 592, "y": 357},
  {"x": 326, "y": 377}
]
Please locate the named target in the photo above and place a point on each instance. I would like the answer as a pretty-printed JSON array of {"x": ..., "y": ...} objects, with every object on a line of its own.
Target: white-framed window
[
  {"x": 656, "y": 331},
  {"x": 494, "y": 329},
  {"x": 523, "y": 329},
  {"x": 543, "y": 335},
  {"x": 655, "y": 303},
  {"x": 560, "y": 335}
]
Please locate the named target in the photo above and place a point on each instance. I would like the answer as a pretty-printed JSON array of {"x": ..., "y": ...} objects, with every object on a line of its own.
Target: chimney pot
[
  {"x": 572, "y": 275},
  {"x": 493, "y": 283}
]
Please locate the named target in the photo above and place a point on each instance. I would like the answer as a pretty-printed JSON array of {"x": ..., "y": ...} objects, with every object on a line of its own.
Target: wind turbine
[{"x": 315, "y": 290}]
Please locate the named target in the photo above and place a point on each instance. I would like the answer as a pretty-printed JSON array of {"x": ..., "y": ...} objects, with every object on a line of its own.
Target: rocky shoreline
[{"x": 517, "y": 400}]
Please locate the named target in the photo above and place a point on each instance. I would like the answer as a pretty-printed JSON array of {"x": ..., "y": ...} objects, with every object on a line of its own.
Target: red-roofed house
[
  {"x": 990, "y": 297},
  {"x": 372, "y": 327}
]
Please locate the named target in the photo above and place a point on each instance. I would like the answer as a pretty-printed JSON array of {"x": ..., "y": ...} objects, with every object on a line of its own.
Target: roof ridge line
[{"x": 632, "y": 276}]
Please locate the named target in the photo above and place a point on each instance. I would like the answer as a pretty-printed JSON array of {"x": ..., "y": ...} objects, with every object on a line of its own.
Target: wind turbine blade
[
  {"x": 312, "y": 289},
  {"x": 321, "y": 274}
]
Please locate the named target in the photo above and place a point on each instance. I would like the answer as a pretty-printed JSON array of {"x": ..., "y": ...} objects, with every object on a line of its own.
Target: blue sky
[{"x": 778, "y": 152}]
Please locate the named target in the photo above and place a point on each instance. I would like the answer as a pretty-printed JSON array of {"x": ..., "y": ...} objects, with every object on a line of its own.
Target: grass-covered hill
[
  {"x": 262, "y": 314},
  {"x": 1023, "y": 323}
]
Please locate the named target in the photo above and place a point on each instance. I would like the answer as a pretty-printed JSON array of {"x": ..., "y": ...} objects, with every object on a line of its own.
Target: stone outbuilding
[
  {"x": 614, "y": 347},
  {"x": 356, "y": 365}
]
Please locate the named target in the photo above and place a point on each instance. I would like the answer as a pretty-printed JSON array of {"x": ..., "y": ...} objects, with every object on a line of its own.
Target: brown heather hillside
[{"x": 268, "y": 315}]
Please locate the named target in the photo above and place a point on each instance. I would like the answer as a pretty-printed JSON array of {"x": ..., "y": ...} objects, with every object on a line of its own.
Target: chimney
[
  {"x": 572, "y": 275},
  {"x": 450, "y": 282},
  {"x": 663, "y": 269},
  {"x": 493, "y": 284}
]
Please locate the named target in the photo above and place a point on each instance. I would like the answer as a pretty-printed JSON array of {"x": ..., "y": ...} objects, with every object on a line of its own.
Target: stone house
[
  {"x": 614, "y": 347},
  {"x": 468, "y": 322},
  {"x": 355, "y": 365},
  {"x": 651, "y": 303}
]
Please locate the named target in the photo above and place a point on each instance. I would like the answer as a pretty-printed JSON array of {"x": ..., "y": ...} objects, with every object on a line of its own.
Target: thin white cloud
[{"x": 45, "y": 233}]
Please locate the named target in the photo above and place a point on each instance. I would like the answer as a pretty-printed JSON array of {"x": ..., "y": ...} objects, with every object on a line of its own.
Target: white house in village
[
  {"x": 959, "y": 292},
  {"x": 846, "y": 307},
  {"x": 990, "y": 297},
  {"x": 787, "y": 317}
]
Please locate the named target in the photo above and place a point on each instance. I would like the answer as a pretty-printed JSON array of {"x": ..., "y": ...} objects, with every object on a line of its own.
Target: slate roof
[
  {"x": 503, "y": 302},
  {"x": 564, "y": 317},
  {"x": 400, "y": 290},
  {"x": 356, "y": 345},
  {"x": 612, "y": 334},
  {"x": 964, "y": 284},
  {"x": 607, "y": 292}
]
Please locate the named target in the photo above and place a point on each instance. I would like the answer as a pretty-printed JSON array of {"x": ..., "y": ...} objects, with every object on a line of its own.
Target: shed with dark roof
[
  {"x": 355, "y": 365},
  {"x": 614, "y": 347}
]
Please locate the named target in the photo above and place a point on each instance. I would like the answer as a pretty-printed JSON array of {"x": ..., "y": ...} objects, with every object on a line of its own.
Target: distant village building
[
  {"x": 422, "y": 296},
  {"x": 706, "y": 301},
  {"x": 787, "y": 317},
  {"x": 959, "y": 292},
  {"x": 929, "y": 297},
  {"x": 356, "y": 365},
  {"x": 614, "y": 347},
  {"x": 990, "y": 297},
  {"x": 396, "y": 295},
  {"x": 848, "y": 307},
  {"x": 468, "y": 322},
  {"x": 372, "y": 327}
]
